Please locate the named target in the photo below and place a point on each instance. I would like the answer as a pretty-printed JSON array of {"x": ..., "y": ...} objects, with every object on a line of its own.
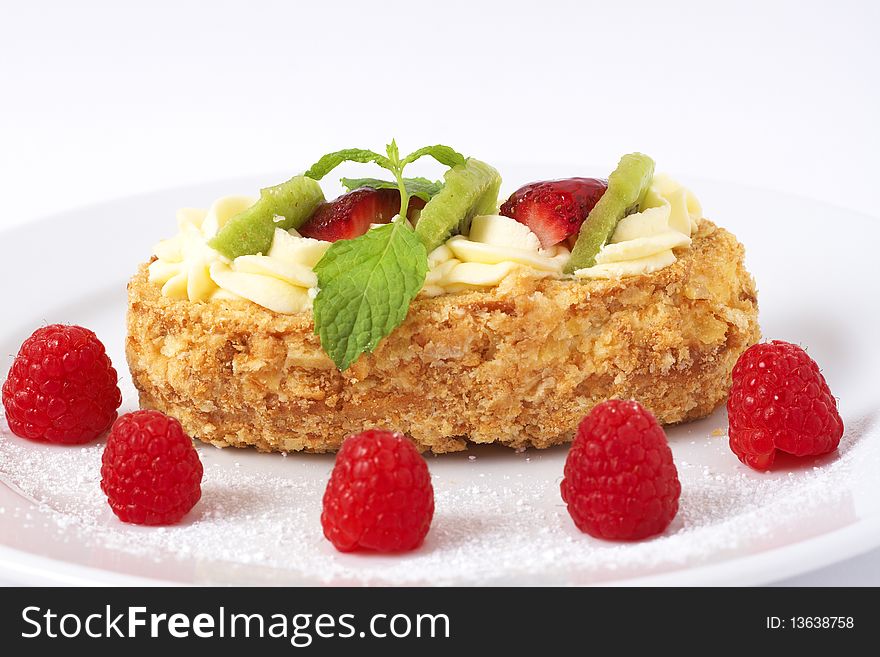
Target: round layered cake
[{"x": 517, "y": 364}]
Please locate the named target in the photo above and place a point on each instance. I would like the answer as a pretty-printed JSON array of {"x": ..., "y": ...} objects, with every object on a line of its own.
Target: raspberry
[
  {"x": 780, "y": 401},
  {"x": 150, "y": 470},
  {"x": 620, "y": 482},
  {"x": 379, "y": 496},
  {"x": 61, "y": 387}
]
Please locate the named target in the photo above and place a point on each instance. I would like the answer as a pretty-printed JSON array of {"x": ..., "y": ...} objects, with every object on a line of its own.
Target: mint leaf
[
  {"x": 443, "y": 154},
  {"x": 393, "y": 152},
  {"x": 366, "y": 285},
  {"x": 422, "y": 187},
  {"x": 332, "y": 160}
]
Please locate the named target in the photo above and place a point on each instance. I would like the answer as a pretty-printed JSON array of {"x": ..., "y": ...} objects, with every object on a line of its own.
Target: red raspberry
[
  {"x": 150, "y": 470},
  {"x": 620, "y": 482},
  {"x": 61, "y": 387},
  {"x": 379, "y": 496},
  {"x": 780, "y": 401}
]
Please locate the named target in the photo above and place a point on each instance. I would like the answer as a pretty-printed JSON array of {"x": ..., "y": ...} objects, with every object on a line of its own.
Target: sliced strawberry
[
  {"x": 351, "y": 214},
  {"x": 554, "y": 209}
]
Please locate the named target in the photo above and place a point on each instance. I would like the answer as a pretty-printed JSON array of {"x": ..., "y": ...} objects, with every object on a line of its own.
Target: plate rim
[
  {"x": 764, "y": 567},
  {"x": 820, "y": 551}
]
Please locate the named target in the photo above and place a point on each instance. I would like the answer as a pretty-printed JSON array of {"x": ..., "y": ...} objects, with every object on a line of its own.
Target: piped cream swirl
[
  {"x": 495, "y": 246},
  {"x": 282, "y": 280},
  {"x": 644, "y": 242}
]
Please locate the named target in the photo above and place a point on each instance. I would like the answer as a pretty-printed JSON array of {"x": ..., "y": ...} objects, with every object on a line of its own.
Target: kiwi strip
[
  {"x": 627, "y": 186},
  {"x": 286, "y": 206},
  {"x": 469, "y": 189}
]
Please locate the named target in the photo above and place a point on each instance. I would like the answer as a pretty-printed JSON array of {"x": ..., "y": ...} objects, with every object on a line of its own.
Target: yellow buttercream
[
  {"x": 284, "y": 280},
  {"x": 495, "y": 247},
  {"x": 643, "y": 242},
  {"x": 187, "y": 268}
]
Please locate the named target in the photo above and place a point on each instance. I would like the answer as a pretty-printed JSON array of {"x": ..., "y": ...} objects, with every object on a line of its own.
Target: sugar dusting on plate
[{"x": 503, "y": 524}]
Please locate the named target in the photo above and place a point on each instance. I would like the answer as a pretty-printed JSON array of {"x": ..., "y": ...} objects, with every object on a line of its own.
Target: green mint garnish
[{"x": 367, "y": 284}]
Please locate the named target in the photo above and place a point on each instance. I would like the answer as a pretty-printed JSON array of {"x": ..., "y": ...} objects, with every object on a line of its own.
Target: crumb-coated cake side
[{"x": 519, "y": 364}]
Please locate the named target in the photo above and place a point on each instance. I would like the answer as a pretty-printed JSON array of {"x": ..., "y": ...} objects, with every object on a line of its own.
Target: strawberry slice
[
  {"x": 351, "y": 214},
  {"x": 554, "y": 209}
]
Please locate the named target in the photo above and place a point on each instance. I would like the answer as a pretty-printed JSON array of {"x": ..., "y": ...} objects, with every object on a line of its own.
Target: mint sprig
[
  {"x": 390, "y": 162},
  {"x": 365, "y": 285}
]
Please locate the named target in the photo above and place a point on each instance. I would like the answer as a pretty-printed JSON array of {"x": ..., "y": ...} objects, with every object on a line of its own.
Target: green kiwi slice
[
  {"x": 469, "y": 189},
  {"x": 627, "y": 186},
  {"x": 285, "y": 206}
]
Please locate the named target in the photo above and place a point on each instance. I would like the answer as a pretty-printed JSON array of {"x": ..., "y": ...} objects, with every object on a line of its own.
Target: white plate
[{"x": 499, "y": 516}]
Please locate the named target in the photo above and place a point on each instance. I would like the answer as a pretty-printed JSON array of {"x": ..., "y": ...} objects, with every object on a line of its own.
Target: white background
[{"x": 105, "y": 99}]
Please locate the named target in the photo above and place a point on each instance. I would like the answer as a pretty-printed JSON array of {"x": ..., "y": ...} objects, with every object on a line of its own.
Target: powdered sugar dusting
[{"x": 499, "y": 517}]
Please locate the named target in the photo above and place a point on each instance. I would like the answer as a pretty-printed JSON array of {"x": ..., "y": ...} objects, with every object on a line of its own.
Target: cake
[{"x": 515, "y": 361}]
